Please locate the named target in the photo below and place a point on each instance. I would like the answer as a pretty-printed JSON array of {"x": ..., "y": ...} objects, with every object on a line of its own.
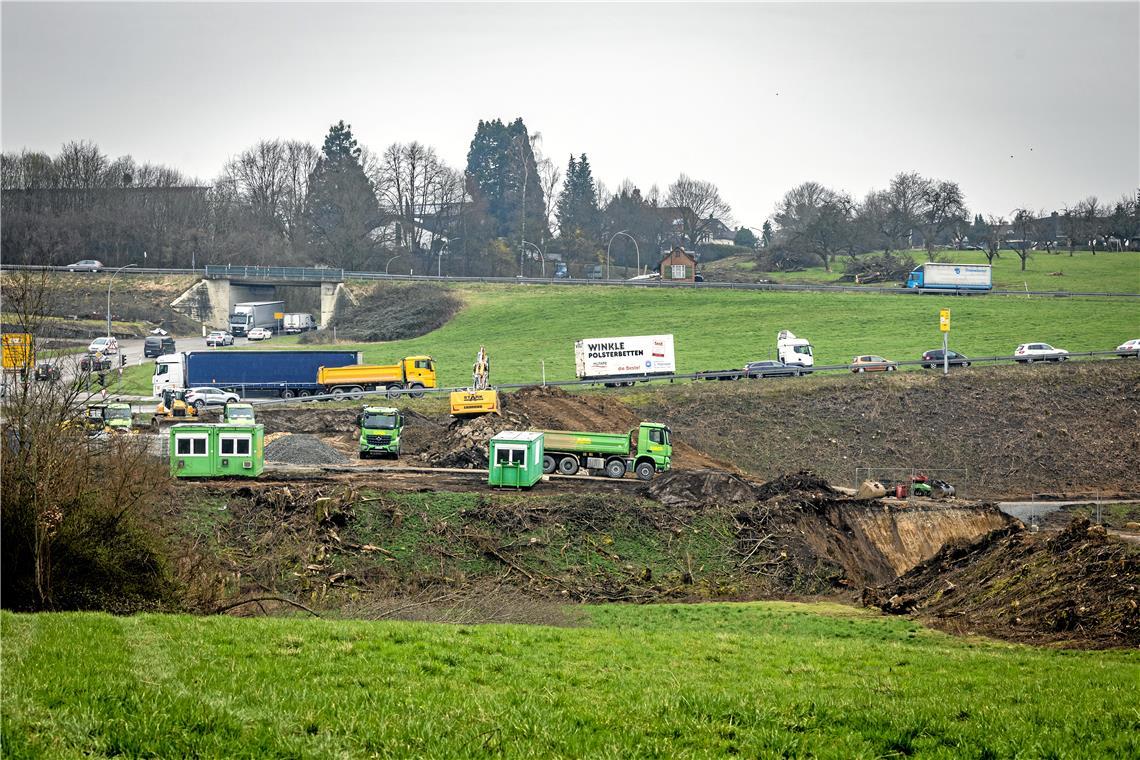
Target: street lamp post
[
  {"x": 541, "y": 255},
  {"x": 109, "y": 284},
  {"x": 635, "y": 248},
  {"x": 398, "y": 255}
]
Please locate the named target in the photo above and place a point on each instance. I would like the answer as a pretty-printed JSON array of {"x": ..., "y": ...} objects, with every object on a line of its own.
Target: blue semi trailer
[
  {"x": 951, "y": 277},
  {"x": 287, "y": 374}
]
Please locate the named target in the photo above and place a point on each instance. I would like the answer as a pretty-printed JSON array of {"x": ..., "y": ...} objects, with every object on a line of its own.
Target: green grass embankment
[
  {"x": 762, "y": 679},
  {"x": 1082, "y": 273},
  {"x": 523, "y": 326}
]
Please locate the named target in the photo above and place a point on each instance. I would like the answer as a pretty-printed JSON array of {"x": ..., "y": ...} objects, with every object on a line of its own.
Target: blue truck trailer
[
  {"x": 935, "y": 277},
  {"x": 287, "y": 374}
]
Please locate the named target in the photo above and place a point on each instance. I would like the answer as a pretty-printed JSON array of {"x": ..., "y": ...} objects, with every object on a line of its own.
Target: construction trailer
[
  {"x": 219, "y": 450},
  {"x": 515, "y": 459}
]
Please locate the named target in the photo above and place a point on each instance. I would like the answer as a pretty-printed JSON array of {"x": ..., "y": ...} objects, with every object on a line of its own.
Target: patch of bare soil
[
  {"x": 1011, "y": 431},
  {"x": 1077, "y": 588}
]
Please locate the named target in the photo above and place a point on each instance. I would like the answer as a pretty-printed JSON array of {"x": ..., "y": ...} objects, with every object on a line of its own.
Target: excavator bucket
[{"x": 474, "y": 403}]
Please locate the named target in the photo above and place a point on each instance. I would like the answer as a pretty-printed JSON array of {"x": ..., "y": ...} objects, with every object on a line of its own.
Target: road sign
[
  {"x": 281, "y": 314},
  {"x": 944, "y": 320},
  {"x": 17, "y": 351}
]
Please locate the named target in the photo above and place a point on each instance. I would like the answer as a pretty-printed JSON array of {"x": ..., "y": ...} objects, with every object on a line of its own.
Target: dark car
[
  {"x": 934, "y": 359},
  {"x": 772, "y": 369},
  {"x": 157, "y": 345}
]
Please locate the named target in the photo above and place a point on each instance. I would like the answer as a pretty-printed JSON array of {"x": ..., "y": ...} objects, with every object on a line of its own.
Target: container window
[
  {"x": 235, "y": 445},
  {"x": 190, "y": 445},
  {"x": 510, "y": 456}
]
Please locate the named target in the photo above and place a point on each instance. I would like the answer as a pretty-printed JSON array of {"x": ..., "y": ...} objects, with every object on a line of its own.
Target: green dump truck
[
  {"x": 644, "y": 451},
  {"x": 237, "y": 413},
  {"x": 380, "y": 428}
]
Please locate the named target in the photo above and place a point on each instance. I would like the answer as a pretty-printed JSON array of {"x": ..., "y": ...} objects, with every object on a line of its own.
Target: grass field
[
  {"x": 770, "y": 679},
  {"x": 522, "y": 326},
  {"x": 1083, "y": 272}
]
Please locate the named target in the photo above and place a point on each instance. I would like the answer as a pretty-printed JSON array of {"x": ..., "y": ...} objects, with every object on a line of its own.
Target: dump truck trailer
[
  {"x": 644, "y": 451},
  {"x": 413, "y": 373}
]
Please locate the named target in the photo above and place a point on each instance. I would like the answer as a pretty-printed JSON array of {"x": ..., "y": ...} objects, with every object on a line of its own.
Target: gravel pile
[{"x": 302, "y": 449}]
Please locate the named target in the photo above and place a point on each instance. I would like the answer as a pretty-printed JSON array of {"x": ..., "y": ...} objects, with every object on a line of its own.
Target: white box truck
[
  {"x": 623, "y": 360},
  {"x": 954, "y": 277},
  {"x": 299, "y": 323},
  {"x": 250, "y": 314}
]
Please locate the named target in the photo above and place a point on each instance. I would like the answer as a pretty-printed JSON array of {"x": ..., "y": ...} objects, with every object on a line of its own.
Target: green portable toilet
[
  {"x": 515, "y": 459},
  {"x": 218, "y": 450}
]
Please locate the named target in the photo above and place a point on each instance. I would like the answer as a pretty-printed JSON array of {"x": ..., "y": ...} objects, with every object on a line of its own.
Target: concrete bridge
[{"x": 211, "y": 300}]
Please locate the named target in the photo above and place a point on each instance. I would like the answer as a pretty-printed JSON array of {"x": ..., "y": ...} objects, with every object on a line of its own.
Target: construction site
[{"x": 746, "y": 511}]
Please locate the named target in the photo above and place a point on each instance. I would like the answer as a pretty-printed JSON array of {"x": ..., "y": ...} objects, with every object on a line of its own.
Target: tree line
[{"x": 510, "y": 210}]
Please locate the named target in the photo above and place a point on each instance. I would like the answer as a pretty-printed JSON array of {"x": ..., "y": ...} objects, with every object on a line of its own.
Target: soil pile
[
  {"x": 392, "y": 311},
  {"x": 300, "y": 448},
  {"x": 1011, "y": 431},
  {"x": 1077, "y": 588},
  {"x": 464, "y": 442},
  {"x": 698, "y": 488},
  {"x": 551, "y": 408}
]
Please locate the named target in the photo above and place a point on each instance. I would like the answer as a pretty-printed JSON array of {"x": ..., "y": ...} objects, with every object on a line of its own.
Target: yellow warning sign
[{"x": 944, "y": 320}]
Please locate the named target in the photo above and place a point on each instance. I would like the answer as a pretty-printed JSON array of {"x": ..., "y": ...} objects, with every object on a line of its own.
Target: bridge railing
[{"x": 307, "y": 274}]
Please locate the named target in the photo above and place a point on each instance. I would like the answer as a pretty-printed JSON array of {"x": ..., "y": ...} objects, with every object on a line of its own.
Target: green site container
[
  {"x": 216, "y": 451},
  {"x": 515, "y": 459}
]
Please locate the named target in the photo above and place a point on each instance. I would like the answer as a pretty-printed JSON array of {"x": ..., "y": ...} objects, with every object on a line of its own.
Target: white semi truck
[
  {"x": 793, "y": 351},
  {"x": 623, "y": 360},
  {"x": 250, "y": 314}
]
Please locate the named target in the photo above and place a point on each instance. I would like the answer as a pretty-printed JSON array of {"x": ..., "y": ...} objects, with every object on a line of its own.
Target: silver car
[{"x": 87, "y": 265}]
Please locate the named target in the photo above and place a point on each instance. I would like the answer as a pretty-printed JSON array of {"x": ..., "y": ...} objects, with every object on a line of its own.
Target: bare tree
[
  {"x": 1024, "y": 225},
  {"x": 904, "y": 203},
  {"x": 1090, "y": 212},
  {"x": 993, "y": 237},
  {"x": 699, "y": 204},
  {"x": 942, "y": 206},
  {"x": 549, "y": 179},
  {"x": 816, "y": 219}
]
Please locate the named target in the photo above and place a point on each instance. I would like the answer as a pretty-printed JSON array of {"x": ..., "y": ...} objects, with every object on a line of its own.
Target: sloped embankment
[
  {"x": 1016, "y": 430},
  {"x": 1076, "y": 588}
]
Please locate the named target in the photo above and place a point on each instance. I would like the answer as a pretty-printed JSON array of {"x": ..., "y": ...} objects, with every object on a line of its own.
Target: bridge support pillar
[{"x": 330, "y": 291}]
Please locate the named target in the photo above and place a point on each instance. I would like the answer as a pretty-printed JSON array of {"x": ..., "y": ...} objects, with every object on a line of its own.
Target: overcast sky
[{"x": 1024, "y": 104}]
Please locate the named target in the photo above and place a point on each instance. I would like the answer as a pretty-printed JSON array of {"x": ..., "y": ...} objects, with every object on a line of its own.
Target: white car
[
  {"x": 259, "y": 333},
  {"x": 219, "y": 338},
  {"x": 1129, "y": 348},
  {"x": 210, "y": 397},
  {"x": 105, "y": 345},
  {"x": 1027, "y": 353}
]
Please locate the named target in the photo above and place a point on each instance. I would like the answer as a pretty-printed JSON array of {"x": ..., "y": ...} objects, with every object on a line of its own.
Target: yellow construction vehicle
[
  {"x": 480, "y": 398},
  {"x": 173, "y": 407}
]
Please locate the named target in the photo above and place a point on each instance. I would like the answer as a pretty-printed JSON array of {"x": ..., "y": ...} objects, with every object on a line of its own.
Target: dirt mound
[
  {"x": 1078, "y": 588},
  {"x": 696, "y": 488},
  {"x": 393, "y": 311},
  {"x": 464, "y": 442},
  {"x": 1013, "y": 431},
  {"x": 551, "y": 408},
  {"x": 301, "y": 448},
  {"x": 804, "y": 486}
]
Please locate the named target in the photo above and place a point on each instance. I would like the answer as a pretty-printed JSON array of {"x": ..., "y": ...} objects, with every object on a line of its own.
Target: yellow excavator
[
  {"x": 480, "y": 398},
  {"x": 173, "y": 407}
]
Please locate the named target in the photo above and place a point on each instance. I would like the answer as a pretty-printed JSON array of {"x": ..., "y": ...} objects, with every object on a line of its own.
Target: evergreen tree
[
  {"x": 577, "y": 212},
  {"x": 766, "y": 234},
  {"x": 341, "y": 209},
  {"x": 503, "y": 178}
]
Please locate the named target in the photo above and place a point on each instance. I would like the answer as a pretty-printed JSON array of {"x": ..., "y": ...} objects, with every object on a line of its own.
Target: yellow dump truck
[{"x": 412, "y": 373}]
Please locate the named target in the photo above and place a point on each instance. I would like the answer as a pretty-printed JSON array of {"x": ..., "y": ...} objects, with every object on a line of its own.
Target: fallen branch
[{"x": 227, "y": 607}]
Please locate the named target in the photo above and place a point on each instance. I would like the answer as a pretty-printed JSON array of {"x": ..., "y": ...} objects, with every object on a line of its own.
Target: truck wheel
[
  {"x": 548, "y": 464},
  {"x": 615, "y": 468},
  {"x": 356, "y": 393},
  {"x": 417, "y": 390},
  {"x": 645, "y": 470},
  {"x": 288, "y": 393},
  {"x": 304, "y": 394},
  {"x": 567, "y": 465},
  {"x": 394, "y": 390}
]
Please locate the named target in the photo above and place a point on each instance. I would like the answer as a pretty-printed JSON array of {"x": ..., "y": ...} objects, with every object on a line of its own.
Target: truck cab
[
  {"x": 419, "y": 369},
  {"x": 238, "y": 414},
  {"x": 380, "y": 428},
  {"x": 654, "y": 443},
  {"x": 793, "y": 351},
  {"x": 115, "y": 416}
]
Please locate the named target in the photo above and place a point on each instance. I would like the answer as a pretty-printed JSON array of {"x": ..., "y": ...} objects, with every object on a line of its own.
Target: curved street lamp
[
  {"x": 109, "y": 284},
  {"x": 635, "y": 248},
  {"x": 541, "y": 255},
  {"x": 398, "y": 255}
]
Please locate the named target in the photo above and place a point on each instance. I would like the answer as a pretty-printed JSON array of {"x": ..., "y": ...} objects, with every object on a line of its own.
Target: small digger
[{"x": 480, "y": 398}]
